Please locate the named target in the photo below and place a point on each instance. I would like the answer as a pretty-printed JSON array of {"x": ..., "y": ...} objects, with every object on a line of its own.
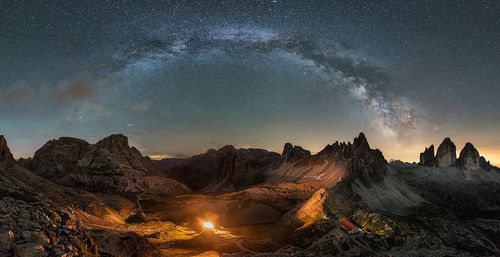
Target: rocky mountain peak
[
  {"x": 287, "y": 149},
  {"x": 485, "y": 164},
  {"x": 446, "y": 155},
  {"x": 361, "y": 143},
  {"x": 226, "y": 149},
  {"x": 53, "y": 158},
  {"x": 292, "y": 152},
  {"x": 365, "y": 163},
  {"x": 110, "y": 165},
  {"x": 114, "y": 143},
  {"x": 5, "y": 154},
  {"x": 469, "y": 158},
  {"x": 427, "y": 157}
]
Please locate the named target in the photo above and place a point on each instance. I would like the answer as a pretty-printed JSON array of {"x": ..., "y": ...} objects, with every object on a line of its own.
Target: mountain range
[{"x": 74, "y": 198}]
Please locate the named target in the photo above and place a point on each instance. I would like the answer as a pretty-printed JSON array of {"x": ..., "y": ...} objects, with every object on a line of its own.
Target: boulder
[
  {"x": 446, "y": 155},
  {"x": 469, "y": 158}
]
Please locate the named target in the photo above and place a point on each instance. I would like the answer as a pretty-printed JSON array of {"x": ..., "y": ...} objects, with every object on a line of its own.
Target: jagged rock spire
[
  {"x": 469, "y": 158},
  {"x": 361, "y": 142},
  {"x": 483, "y": 163},
  {"x": 446, "y": 155},
  {"x": 292, "y": 152},
  {"x": 5, "y": 154},
  {"x": 427, "y": 157},
  {"x": 114, "y": 143}
]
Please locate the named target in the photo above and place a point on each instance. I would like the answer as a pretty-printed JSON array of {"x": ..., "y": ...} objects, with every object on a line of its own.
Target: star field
[{"x": 179, "y": 77}]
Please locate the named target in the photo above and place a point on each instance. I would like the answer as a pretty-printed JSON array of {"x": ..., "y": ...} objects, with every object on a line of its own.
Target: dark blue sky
[{"x": 179, "y": 77}]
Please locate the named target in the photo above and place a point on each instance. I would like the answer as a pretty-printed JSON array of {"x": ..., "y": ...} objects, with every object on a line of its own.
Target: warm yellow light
[{"x": 208, "y": 225}]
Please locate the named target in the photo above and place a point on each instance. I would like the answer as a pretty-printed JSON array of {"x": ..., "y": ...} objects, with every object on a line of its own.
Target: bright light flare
[{"x": 208, "y": 225}]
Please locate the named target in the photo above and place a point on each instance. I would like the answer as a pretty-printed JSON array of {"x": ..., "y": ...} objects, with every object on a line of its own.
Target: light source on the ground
[{"x": 208, "y": 225}]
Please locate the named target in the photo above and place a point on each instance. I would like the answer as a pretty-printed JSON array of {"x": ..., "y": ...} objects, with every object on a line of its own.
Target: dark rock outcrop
[
  {"x": 5, "y": 154},
  {"x": 484, "y": 164},
  {"x": 58, "y": 157},
  {"x": 225, "y": 169},
  {"x": 402, "y": 164},
  {"x": 39, "y": 229},
  {"x": 469, "y": 158},
  {"x": 291, "y": 152},
  {"x": 427, "y": 157},
  {"x": 110, "y": 165},
  {"x": 335, "y": 162},
  {"x": 446, "y": 155},
  {"x": 366, "y": 164}
]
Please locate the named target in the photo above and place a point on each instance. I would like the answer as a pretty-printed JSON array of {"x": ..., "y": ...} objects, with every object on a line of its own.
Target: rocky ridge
[
  {"x": 442, "y": 209},
  {"x": 291, "y": 152},
  {"x": 40, "y": 218},
  {"x": 332, "y": 164},
  {"x": 225, "y": 169},
  {"x": 110, "y": 165},
  {"x": 469, "y": 158}
]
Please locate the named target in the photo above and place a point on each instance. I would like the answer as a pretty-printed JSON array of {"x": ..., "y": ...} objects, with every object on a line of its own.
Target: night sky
[{"x": 180, "y": 77}]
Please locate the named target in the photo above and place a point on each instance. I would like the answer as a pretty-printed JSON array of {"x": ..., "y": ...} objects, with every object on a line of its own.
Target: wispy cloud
[
  {"x": 68, "y": 91},
  {"x": 18, "y": 93},
  {"x": 141, "y": 106}
]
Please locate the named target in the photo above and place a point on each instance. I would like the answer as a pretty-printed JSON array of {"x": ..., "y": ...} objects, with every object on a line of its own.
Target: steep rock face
[
  {"x": 58, "y": 157},
  {"x": 446, "y": 155},
  {"x": 291, "y": 152},
  {"x": 367, "y": 164},
  {"x": 5, "y": 154},
  {"x": 333, "y": 163},
  {"x": 110, "y": 165},
  {"x": 484, "y": 164},
  {"x": 225, "y": 169},
  {"x": 115, "y": 150},
  {"x": 427, "y": 157},
  {"x": 469, "y": 158},
  {"x": 318, "y": 207}
]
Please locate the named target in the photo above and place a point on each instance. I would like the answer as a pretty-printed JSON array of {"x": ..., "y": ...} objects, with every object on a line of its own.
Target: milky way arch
[{"x": 391, "y": 116}]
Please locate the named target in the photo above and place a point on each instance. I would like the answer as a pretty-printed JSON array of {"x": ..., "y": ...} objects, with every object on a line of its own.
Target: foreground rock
[
  {"x": 39, "y": 229},
  {"x": 42, "y": 218}
]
